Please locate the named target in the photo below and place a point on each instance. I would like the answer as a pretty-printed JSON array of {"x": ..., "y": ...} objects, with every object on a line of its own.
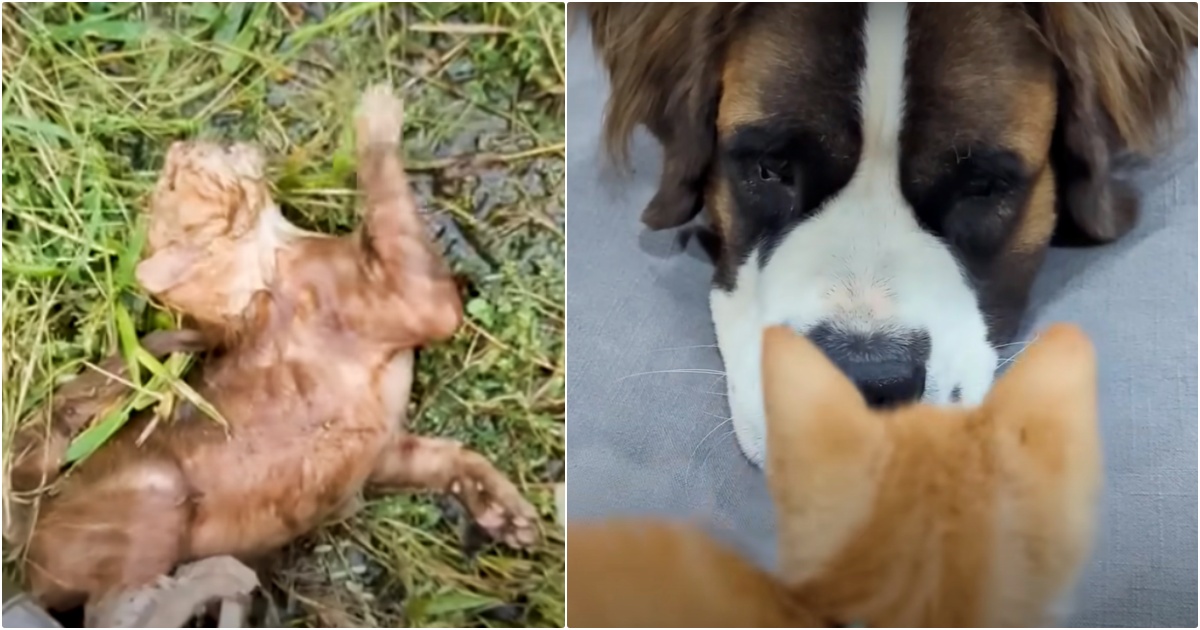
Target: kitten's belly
[
  {"x": 396, "y": 389},
  {"x": 284, "y": 473},
  {"x": 255, "y": 508}
]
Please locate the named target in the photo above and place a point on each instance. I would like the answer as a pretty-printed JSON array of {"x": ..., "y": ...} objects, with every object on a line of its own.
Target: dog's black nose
[{"x": 888, "y": 367}]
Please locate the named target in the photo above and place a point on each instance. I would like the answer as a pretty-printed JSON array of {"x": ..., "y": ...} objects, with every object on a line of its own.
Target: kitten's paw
[
  {"x": 380, "y": 116},
  {"x": 498, "y": 508}
]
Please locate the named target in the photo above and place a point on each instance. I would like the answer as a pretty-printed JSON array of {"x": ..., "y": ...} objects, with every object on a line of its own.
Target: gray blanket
[{"x": 648, "y": 431}]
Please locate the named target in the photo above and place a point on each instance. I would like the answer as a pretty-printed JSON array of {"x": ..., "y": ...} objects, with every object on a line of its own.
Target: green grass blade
[
  {"x": 31, "y": 128},
  {"x": 442, "y": 604},
  {"x": 101, "y": 28},
  {"x": 230, "y": 35},
  {"x": 131, "y": 254},
  {"x": 96, "y": 435},
  {"x": 130, "y": 346},
  {"x": 179, "y": 385}
]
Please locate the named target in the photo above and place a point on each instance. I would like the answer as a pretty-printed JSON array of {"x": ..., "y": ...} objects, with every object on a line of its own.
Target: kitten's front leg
[{"x": 421, "y": 293}]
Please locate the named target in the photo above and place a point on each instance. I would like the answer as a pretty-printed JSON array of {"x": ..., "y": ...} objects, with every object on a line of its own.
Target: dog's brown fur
[
  {"x": 674, "y": 94},
  {"x": 1120, "y": 67},
  {"x": 314, "y": 340},
  {"x": 918, "y": 517}
]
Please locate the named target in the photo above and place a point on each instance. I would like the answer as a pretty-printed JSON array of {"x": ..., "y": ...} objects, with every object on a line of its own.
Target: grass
[{"x": 94, "y": 93}]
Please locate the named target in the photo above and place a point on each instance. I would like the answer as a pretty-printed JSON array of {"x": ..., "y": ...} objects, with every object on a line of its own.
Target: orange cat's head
[
  {"x": 213, "y": 231},
  {"x": 934, "y": 515}
]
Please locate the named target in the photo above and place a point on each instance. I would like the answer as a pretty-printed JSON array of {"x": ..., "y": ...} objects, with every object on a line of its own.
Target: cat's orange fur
[{"x": 917, "y": 517}]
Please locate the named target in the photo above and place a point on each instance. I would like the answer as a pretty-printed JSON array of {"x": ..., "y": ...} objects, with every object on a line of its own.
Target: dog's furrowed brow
[
  {"x": 1000, "y": 165},
  {"x": 768, "y": 137}
]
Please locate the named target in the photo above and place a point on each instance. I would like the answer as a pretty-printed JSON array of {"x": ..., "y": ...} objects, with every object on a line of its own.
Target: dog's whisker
[
  {"x": 713, "y": 448},
  {"x": 687, "y": 474},
  {"x": 676, "y": 371},
  {"x": 707, "y": 345},
  {"x": 708, "y": 392},
  {"x": 723, "y": 422},
  {"x": 1014, "y": 356}
]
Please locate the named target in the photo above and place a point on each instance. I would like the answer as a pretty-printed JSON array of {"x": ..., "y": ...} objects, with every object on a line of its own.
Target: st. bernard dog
[{"x": 886, "y": 178}]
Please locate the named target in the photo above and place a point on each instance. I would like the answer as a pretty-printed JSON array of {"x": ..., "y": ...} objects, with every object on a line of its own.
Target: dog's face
[
  {"x": 886, "y": 178},
  {"x": 880, "y": 185}
]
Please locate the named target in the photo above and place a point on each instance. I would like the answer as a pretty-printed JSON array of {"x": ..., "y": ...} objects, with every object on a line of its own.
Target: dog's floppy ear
[
  {"x": 1122, "y": 66},
  {"x": 663, "y": 61}
]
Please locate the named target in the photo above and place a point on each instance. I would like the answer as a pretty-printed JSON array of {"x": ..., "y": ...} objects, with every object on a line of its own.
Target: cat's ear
[
  {"x": 804, "y": 392},
  {"x": 1044, "y": 414},
  {"x": 1054, "y": 376},
  {"x": 166, "y": 268},
  {"x": 1045, "y": 409},
  {"x": 823, "y": 446}
]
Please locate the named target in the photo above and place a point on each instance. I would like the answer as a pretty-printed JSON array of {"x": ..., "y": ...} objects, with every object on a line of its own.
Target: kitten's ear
[
  {"x": 1044, "y": 409},
  {"x": 803, "y": 391},
  {"x": 1055, "y": 375},
  {"x": 823, "y": 449},
  {"x": 1044, "y": 416},
  {"x": 165, "y": 269}
]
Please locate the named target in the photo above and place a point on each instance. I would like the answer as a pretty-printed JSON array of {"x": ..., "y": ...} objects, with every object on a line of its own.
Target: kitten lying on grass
[
  {"x": 915, "y": 517},
  {"x": 311, "y": 365}
]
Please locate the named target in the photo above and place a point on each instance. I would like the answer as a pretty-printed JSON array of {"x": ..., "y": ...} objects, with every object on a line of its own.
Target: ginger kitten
[{"x": 916, "y": 517}]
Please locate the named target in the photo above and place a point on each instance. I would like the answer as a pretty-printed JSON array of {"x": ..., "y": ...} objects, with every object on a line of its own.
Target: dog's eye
[
  {"x": 982, "y": 188},
  {"x": 773, "y": 170}
]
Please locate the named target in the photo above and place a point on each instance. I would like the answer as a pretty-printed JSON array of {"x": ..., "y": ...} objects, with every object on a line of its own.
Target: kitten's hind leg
[
  {"x": 441, "y": 465},
  {"x": 39, "y": 446}
]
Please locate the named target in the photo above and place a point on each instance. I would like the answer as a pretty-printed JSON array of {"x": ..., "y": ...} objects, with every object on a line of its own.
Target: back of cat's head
[{"x": 934, "y": 515}]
